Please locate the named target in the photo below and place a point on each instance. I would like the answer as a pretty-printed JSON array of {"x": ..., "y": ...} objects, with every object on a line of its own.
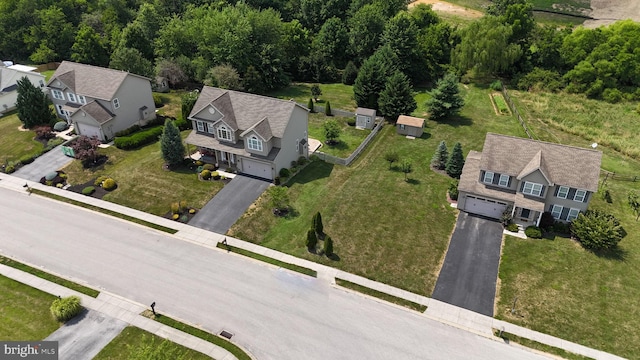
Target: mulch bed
[
  {"x": 182, "y": 219},
  {"x": 98, "y": 194}
]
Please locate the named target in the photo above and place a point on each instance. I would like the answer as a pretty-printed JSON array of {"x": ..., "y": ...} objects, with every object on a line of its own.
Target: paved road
[
  {"x": 470, "y": 270},
  {"x": 85, "y": 335},
  {"x": 221, "y": 212},
  {"x": 273, "y": 313},
  {"x": 51, "y": 161}
]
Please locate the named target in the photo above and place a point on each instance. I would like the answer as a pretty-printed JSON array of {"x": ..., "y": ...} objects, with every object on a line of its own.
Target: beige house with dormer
[{"x": 528, "y": 177}]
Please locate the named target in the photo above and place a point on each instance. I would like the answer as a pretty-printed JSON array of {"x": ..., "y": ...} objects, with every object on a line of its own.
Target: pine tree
[
  {"x": 439, "y": 159},
  {"x": 316, "y": 91},
  {"x": 327, "y": 109},
  {"x": 445, "y": 99},
  {"x": 373, "y": 76},
  {"x": 328, "y": 246},
  {"x": 310, "y": 105},
  {"x": 33, "y": 105},
  {"x": 317, "y": 225},
  {"x": 171, "y": 144},
  {"x": 312, "y": 240},
  {"x": 455, "y": 162},
  {"x": 397, "y": 98},
  {"x": 349, "y": 74}
]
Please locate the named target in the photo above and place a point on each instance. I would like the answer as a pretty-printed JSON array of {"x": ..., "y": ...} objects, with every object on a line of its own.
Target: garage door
[
  {"x": 257, "y": 168},
  {"x": 486, "y": 207},
  {"x": 88, "y": 130}
]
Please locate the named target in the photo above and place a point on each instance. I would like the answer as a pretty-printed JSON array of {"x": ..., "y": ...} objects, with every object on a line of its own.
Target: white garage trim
[
  {"x": 88, "y": 130},
  {"x": 483, "y": 206},
  {"x": 257, "y": 168}
]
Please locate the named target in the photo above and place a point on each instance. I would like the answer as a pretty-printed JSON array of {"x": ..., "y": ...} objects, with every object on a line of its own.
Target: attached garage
[
  {"x": 88, "y": 130},
  {"x": 257, "y": 168},
  {"x": 485, "y": 207}
]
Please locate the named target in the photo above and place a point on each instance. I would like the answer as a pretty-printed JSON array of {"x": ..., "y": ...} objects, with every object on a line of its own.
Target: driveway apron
[
  {"x": 48, "y": 162},
  {"x": 221, "y": 212},
  {"x": 84, "y": 336},
  {"x": 470, "y": 270}
]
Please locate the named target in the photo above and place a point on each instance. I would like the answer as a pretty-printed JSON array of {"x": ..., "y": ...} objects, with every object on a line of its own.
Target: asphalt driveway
[
  {"x": 221, "y": 212},
  {"x": 84, "y": 336},
  {"x": 470, "y": 270},
  {"x": 42, "y": 165}
]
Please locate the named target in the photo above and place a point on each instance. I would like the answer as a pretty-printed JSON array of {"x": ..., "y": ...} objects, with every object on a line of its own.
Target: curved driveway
[{"x": 274, "y": 313}]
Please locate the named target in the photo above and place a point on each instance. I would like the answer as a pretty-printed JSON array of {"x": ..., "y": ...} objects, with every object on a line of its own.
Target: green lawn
[
  {"x": 383, "y": 227},
  {"x": 25, "y": 312},
  {"x": 15, "y": 143},
  {"x": 339, "y": 95},
  {"x": 172, "y": 103},
  {"x": 135, "y": 343},
  {"x": 47, "y": 74},
  {"x": 350, "y": 137},
  {"x": 142, "y": 182}
]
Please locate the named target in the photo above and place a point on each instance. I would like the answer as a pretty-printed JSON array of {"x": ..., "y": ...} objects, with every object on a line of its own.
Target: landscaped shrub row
[
  {"x": 128, "y": 131},
  {"x": 64, "y": 309},
  {"x": 138, "y": 139}
]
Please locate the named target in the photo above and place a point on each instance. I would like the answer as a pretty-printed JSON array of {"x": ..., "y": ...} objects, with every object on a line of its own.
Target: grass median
[
  {"x": 380, "y": 295},
  {"x": 282, "y": 264},
  {"x": 508, "y": 337}
]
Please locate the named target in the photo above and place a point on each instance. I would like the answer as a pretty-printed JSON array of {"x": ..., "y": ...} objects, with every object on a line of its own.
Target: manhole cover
[{"x": 226, "y": 334}]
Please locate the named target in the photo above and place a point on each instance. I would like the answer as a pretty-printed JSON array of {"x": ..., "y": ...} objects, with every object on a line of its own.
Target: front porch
[
  {"x": 221, "y": 159},
  {"x": 527, "y": 211}
]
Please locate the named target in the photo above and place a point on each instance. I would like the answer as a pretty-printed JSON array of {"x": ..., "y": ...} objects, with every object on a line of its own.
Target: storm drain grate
[{"x": 226, "y": 334}]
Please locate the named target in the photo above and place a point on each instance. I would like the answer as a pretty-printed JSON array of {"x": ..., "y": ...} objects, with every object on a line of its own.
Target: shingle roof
[
  {"x": 410, "y": 121},
  {"x": 262, "y": 128},
  {"x": 97, "y": 111},
  {"x": 93, "y": 81},
  {"x": 562, "y": 164},
  {"x": 246, "y": 109},
  {"x": 366, "y": 112},
  {"x": 469, "y": 180}
]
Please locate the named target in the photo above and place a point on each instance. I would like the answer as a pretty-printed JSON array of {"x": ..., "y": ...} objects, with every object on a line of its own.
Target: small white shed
[{"x": 365, "y": 118}]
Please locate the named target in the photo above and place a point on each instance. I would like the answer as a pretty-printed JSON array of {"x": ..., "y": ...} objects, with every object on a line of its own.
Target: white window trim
[
  {"x": 222, "y": 130},
  {"x": 72, "y": 97},
  {"x": 57, "y": 94},
  {"x": 584, "y": 195},
  {"x": 200, "y": 126},
  {"x": 573, "y": 217},
  {"x": 116, "y": 103},
  {"x": 253, "y": 143},
  {"x": 484, "y": 179},
  {"x": 297, "y": 144},
  {"x": 553, "y": 211},
  {"x": 566, "y": 192},
  {"x": 81, "y": 99},
  {"x": 532, "y": 191},
  {"x": 504, "y": 183},
  {"x": 211, "y": 129}
]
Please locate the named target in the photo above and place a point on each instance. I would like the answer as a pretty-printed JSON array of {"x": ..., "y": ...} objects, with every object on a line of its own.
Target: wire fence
[
  {"x": 348, "y": 160},
  {"x": 515, "y": 111},
  {"x": 609, "y": 175}
]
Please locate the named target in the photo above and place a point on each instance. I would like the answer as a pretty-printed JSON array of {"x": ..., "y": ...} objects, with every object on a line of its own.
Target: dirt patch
[
  {"x": 449, "y": 8},
  {"x": 606, "y": 12}
]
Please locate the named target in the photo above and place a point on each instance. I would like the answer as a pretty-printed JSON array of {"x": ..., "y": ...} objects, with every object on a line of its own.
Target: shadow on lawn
[
  {"x": 458, "y": 121},
  {"x": 314, "y": 171},
  {"x": 616, "y": 253}
]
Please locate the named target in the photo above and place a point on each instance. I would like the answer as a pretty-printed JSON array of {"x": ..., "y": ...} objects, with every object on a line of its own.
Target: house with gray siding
[
  {"x": 99, "y": 101},
  {"x": 9, "y": 76},
  {"x": 256, "y": 135},
  {"x": 528, "y": 177}
]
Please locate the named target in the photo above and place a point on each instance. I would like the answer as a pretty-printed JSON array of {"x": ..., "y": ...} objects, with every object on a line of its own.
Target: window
[
  {"x": 224, "y": 133},
  {"x": 488, "y": 177},
  {"x": 580, "y": 195},
  {"x": 573, "y": 213},
  {"x": 210, "y": 128},
  {"x": 401, "y": 126},
  {"x": 82, "y": 99},
  {"x": 532, "y": 189},
  {"x": 556, "y": 211},
  {"x": 57, "y": 94},
  {"x": 116, "y": 103},
  {"x": 72, "y": 97},
  {"x": 525, "y": 213},
  {"x": 504, "y": 180},
  {"x": 254, "y": 143},
  {"x": 200, "y": 125},
  {"x": 563, "y": 191}
]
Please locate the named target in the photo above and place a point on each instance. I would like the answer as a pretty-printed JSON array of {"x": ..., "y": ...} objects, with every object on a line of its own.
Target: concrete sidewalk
[
  {"x": 122, "y": 309},
  {"x": 437, "y": 310}
]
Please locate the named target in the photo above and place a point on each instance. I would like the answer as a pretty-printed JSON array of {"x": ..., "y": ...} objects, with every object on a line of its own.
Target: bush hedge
[
  {"x": 157, "y": 100},
  {"x": 109, "y": 184},
  {"x": 533, "y": 232},
  {"x": 182, "y": 124},
  {"x": 284, "y": 172},
  {"x": 128, "y": 131},
  {"x": 512, "y": 227},
  {"x": 205, "y": 174},
  {"x": 138, "y": 139},
  {"x": 209, "y": 167},
  {"x": 64, "y": 309},
  {"x": 100, "y": 180},
  {"x": 88, "y": 190},
  {"x": 27, "y": 159}
]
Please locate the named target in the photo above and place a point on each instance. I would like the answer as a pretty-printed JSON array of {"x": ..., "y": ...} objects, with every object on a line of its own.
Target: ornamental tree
[
  {"x": 391, "y": 157},
  {"x": 86, "y": 149},
  {"x": 597, "y": 230},
  {"x": 331, "y": 131}
]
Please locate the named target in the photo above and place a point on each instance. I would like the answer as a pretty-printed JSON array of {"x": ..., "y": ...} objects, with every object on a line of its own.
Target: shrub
[
  {"x": 209, "y": 167},
  {"x": 215, "y": 175},
  {"x": 64, "y": 309},
  {"x": 453, "y": 190},
  {"x": 310, "y": 106},
  {"x": 183, "y": 205},
  {"x": 175, "y": 216},
  {"x": 192, "y": 211},
  {"x": 60, "y": 126},
  {"x": 276, "y": 180},
  {"x": 184, "y": 218},
  {"x": 533, "y": 232},
  {"x": 328, "y": 246},
  {"x": 547, "y": 221},
  {"x": 44, "y": 132},
  {"x": 175, "y": 208},
  {"x": 62, "y": 175},
  {"x": 561, "y": 227},
  {"x": 205, "y": 174},
  {"x": 109, "y": 184},
  {"x": 100, "y": 180},
  {"x": 199, "y": 163},
  {"x": 88, "y": 190},
  {"x": 128, "y": 131},
  {"x": 597, "y": 230},
  {"x": 10, "y": 169},
  {"x": 541, "y": 79},
  {"x": 27, "y": 159},
  {"x": 157, "y": 100},
  {"x": 302, "y": 160},
  {"x": 138, "y": 139},
  {"x": 182, "y": 124},
  {"x": 52, "y": 143},
  {"x": 284, "y": 172},
  {"x": 50, "y": 176},
  {"x": 327, "y": 109},
  {"x": 351, "y": 122},
  {"x": 59, "y": 185},
  {"x": 612, "y": 95},
  {"x": 496, "y": 85},
  {"x": 512, "y": 227},
  {"x": 312, "y": 240}
]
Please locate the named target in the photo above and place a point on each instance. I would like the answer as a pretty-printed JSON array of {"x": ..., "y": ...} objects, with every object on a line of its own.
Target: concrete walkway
[
  {"x": 437, "y": 310},
  {"x": 51, "y": 161}
]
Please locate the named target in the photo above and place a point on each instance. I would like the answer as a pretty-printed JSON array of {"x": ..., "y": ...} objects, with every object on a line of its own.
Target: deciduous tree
[
  {"x": 331, "y": 131},
  {"x": 365, "y": 28},
  {"x": 224, "y": 76},
  {"x": 350, "y": 73},
  {"x": 634, "y": 203},
  {"x": 86, "y": 149},
  {"x": 391, "y": 157},
  {"x": 89, "y": 47},
  {"x": 188, "y": 100},
  {"x": 278, "y": 198},
  {"x": 131, "y": 60},
  {"x": 597, "y": 230},
  {"x": 406, "y": 168}
]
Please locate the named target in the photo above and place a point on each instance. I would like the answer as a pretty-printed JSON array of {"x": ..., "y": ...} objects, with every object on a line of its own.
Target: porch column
[
  {"x": 539, "y": 217},
  {"x": 513, "y": 210}
]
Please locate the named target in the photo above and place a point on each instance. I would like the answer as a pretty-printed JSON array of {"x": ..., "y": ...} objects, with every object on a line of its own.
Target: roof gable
[
  {"x": 261, "y": 128},
  {"x": 410, "y": 121},
  {"x": 98, "y": 112},
  {"x": 560, "y": 164},
  {"x": 366, "y": 112}
]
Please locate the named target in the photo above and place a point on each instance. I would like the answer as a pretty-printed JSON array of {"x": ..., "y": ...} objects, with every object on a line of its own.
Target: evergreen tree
[
  {"x": 327, "y": 109},
  {"x": 310, "y": 105},
  {"x": 171, "y": 144},
  {"x": 316, "y": 92},
  {"x": 317, "y": 225},
  {"x": 328, "y": 246},
  {"x": 456, "y": 162},
  {"x": 397, "y": 98},
  {"x": 33, "y": 105},
  {"x": 439, "y": 159},
  {"x": 350, "y": 73},
  {"x": 312, "y": 240},
  {"x": 445, "y": 99},
  {"x": 373, "y": 76}
]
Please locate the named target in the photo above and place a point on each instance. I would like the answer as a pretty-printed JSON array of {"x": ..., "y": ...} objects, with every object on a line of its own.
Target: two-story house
[
  {"x": 99, "y": 101},
  {"x": 9, "y": 76},
  {"x": 528, "y": 177},
  {"x": 257, "y": 135}
]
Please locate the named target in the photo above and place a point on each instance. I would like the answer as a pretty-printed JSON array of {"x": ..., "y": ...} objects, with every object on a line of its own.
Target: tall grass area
[
  {"x": 383, "y": 227},
  {"x": 15, "y": 143},
  {"x": 339, "y": 95}
]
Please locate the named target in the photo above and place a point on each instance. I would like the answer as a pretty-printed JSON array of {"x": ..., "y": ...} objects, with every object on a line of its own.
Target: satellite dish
[{"x": 594, "y": 145}]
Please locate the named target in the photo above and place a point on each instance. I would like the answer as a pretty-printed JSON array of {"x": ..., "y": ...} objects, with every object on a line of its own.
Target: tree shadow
[
  {"x": 334, "y": 257},
  {"x": 292, "y": 213},
  {"x": 395, "y": 168},
  {"x": 425, "y": 136},
  {"x": 339, "y": 144},
  {"x": 413, "y": 181},
  {"x": 458, "y": 120},
  {"x": 616, "y": 253},
  {"x": 314, "y": 171}
]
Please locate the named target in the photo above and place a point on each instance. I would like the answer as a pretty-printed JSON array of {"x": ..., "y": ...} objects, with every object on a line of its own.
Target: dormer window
[
  {"x": 82, "y": 100},
  {"x": 504, "y": 180},
  {"x": 116, "y": 103},
  {"x": 532, "y": 189},
  {"x": 71, "y": 97},
  {"x": 253, "y": 143},
  {"x": 224, "y": 133},
  {"x": 57, "y": 94},
  {"x": 488, "y": 177}
]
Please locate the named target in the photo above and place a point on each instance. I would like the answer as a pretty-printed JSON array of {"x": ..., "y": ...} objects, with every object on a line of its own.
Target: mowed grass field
[
  {"x": 339, "y": 95},
  {"x": 350, "y": 137},
  {"x": 15, "y": 143},
  {"x": 383, "y": 227}
]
